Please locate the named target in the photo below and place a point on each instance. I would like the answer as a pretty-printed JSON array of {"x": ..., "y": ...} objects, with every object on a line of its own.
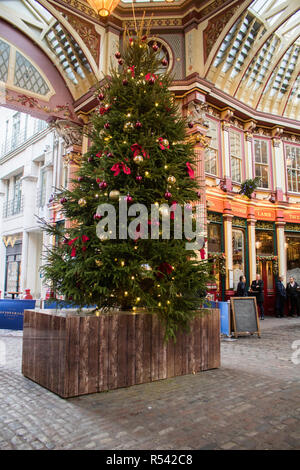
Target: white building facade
[{"x": 31, "y": 167}]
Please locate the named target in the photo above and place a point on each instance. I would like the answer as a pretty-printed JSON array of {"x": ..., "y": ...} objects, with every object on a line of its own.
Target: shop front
[{"x": 267, "y": 261}]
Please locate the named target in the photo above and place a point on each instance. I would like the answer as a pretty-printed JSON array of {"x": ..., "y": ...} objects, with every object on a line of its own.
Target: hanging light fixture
[{"x": 103, "y": 7}]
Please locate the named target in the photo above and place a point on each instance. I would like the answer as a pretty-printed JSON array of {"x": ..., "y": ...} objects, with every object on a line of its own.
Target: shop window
[
  {"x": 211, "y": 152},
  {"x": 264, "y": 243},
  {"x": 238, "y": 250},
  {"x": 293, "y": 167},
  {"x": 261, "y": 156},
  {"x": 235, "y": 140},
  {"x": 13, "y": 268},
  {"x": 293, "y": 256},
  {"x": 214, "y": 233}
]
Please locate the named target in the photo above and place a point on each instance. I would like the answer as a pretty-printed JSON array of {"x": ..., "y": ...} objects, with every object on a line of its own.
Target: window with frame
[
  {"x": 261, "y": 158},
  {"x": 235, "y": 140},
  {"x": 42, "y": 189},
  {"x": 293, "y": 167},
  {"x": 211, "y": 152},
  {"x": 16, "y": 124}
]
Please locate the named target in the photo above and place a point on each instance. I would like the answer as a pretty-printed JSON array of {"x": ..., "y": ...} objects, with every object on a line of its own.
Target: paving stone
[{"x": 251, "y": 402}]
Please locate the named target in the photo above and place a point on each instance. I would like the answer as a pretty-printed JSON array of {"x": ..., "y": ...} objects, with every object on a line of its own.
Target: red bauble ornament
[
  {"x": 118, "y": 55},
  {"x": 129, "y": 198},
  {"x": 144, "y": 37},
  {"x": 103, "y": 185},
  {"x": 191, "y": 124},
  {"x": 63, "y": 200},
  {"x": 121, "y": 61},
  {"x": 139, "y": 178},
  {"x": 125, "y": 82},
  {"x": 80, "y": 179},
  {"x": 107, "y": 125},
  {"x": 168, "y": 195},
  {"x": 164, "y": 62},
  {"x": 138, "y": 124},
  {"x": 155, "y": 47},
  {"x": 97, "y": 216},
  {"x": 151, "y": 81},
  {"x": 101, "y": 97}
]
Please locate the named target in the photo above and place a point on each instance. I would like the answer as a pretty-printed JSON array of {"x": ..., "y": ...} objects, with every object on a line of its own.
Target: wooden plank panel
[
  {"x": 155, "y": 348},
  {"x": 83, "y": 378},
  {"x": 191, "y": 350},
  {"x": 170, "y": 358},
  {"x": 131, "y": 350},
  {"x": 63, "y": 341},
  {"x": 93, "y": 359},
  {"x": 103, "y": 353},
  {"x": 204, "y": 340},
  {"x": 54, "y": 354},
  {"x": 122, "y": 342},
  {"x": 146, "y": 377},
  {"x": 26, "y": 344},
  {"x": 73, "y": 326},
  {"x": 216, "y": 338},
  {"x": 113, "y": 351},
  {"x": 197, "y": 343},
  {"x": 139, "y": 341},
  {"x": 162, "y": 358}
]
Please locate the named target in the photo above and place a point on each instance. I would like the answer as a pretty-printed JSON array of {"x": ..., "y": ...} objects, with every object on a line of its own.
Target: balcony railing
[
  {"x": 13, "y": 207},
  {"x": 21, "y": 137}
]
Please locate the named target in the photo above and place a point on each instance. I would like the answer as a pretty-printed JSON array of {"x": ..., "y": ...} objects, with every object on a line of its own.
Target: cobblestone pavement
[{"x": 251, "y": 402}]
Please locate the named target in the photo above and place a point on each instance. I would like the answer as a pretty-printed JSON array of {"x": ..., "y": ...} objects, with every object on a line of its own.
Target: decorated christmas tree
[{"x": 138, "y": 155}]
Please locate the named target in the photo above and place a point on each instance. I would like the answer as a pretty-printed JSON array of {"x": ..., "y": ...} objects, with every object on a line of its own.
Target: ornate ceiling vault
[{"x": 249, "y": 50}]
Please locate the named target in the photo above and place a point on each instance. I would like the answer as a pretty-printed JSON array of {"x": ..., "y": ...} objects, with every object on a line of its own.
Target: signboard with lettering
[{"x": 244, "y": 316}]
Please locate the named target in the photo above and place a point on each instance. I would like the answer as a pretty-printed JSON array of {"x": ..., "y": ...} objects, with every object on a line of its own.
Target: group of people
[{"x": 290, "y": 294}]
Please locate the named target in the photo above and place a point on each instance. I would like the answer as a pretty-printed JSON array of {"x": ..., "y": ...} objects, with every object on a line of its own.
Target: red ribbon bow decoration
[
  {"x": 131, "y": 69},
  {"x": 161, "y": 145},
  {"x": 104, "y": 109},
  {"x": 150, "y": 75},
  {"x": 117, "y": 167},
  {"x": 190, "y": 170},
  {"x": 164, "y": 268},
  {"x": 84, "y": 239},
  {"x": 137, "y": 149}
]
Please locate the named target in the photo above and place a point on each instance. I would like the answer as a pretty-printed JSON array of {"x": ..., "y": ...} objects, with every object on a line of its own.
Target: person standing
[
  {"x": 292, "y": 294},
  {"x": 241, "y": 287},
  {"x": 257, "y": 289},
  {"x": 280, "y": 297}
]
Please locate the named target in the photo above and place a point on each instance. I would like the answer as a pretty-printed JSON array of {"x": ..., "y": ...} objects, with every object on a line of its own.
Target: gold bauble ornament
[
  {"x": 171, "y": 180},
  {"x": 82, "y": 202},
  {"x": 138, "y": 159},
  {"x": 165, "y": 142},
  {"x": 128, "y": 126},
  {"x": 98, "y": 262},
  {"x": 114, "y": 194}
]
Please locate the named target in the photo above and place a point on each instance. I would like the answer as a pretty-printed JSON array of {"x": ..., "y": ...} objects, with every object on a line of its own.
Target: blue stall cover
[
  {"x": 225, "y": 317},
  {"x": 12, "y": 313}
]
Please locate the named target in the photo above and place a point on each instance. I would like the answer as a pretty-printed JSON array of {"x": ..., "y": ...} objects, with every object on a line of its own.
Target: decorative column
[
  {"x": 251, "y": 220},
  {"x": 72, "y": 135},
  {"x": 281, "y": 247},
  {"x": 226, "y": 115},
  {"x": 248, "y": 129},
  {"x": 195, "y": 111},
  {"x": 278, "y": 159},
  {"x": 227, "y": 218}
]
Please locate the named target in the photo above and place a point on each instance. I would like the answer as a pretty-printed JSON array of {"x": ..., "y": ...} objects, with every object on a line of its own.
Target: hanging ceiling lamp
[{"x": 103, "y": 7}]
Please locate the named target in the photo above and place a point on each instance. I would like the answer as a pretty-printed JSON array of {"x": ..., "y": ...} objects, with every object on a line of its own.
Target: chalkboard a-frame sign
[{"x": 244, "y": 316}]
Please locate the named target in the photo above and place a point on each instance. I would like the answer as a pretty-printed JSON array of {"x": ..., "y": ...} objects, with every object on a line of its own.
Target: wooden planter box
[{"x": 75, "y": 354}]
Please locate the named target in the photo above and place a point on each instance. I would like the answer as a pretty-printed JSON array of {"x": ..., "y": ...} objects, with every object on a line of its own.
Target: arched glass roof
[{"x": 258, "y": 61}]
